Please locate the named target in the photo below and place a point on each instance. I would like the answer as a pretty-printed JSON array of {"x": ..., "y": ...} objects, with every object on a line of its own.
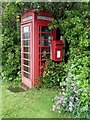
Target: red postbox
[
  {"x": 35, "y": 40},
  {"x": 56, "y": 50}
]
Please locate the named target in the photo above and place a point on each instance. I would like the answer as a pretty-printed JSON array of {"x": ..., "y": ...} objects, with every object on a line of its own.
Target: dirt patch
[{"x": 16, "y": 89}]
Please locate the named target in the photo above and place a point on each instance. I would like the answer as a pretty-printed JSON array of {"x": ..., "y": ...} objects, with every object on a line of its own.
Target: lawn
[{"x": 31, "y": 103}]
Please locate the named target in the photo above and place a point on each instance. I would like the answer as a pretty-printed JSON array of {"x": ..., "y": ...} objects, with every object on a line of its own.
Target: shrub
[
  {"x": 75, "y": 95},
  {"x": 10, "y": 43},
  {"x": 53, "y": 73}
]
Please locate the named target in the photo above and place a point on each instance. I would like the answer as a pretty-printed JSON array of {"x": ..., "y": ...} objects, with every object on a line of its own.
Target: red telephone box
[
  {"x": 56, "y": 50},
  {"x": 35, "y": 39}
]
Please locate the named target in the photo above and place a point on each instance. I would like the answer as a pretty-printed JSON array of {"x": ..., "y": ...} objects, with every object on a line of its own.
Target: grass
[{"x": 31, "y": 103}]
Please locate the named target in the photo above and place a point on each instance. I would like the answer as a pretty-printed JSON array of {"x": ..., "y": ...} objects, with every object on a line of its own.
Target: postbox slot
[{"x": 58, "y": 44}]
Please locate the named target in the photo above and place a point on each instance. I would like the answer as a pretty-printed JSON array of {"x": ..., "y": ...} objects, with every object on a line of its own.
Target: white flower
[
  {"x": 64, "y": 102},
  {"x": 66, "y": 89},
  {"x": 53, "y": 109},
  {"x": 66, "y": 79},
  {"x": 59, "y": 111},
  {"x": 70, "y": 109},
  {"x": 63, "y": 89},
  {"x": 75, "y": 91},
  {"x": 76, "y": 98},
  {"x": 71, "y": 98},
  {"x": 77, "y": 83},
  {"x": 74, "y": 77},
  {"x": 69, "y": 74},
  {"x": 72, "y": 66},
  {"x": 70, "y": 103},
  {"x": 62, "y": 93},
  {"x": 57, "y": 97},
  {"x": 58, "y": 107},
  {"x": 72, "y": 84}
]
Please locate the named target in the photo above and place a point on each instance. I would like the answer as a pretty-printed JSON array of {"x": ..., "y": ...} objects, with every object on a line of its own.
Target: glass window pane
[
  {"x": 26, "y": 62},
  {"x": 45, "y": 49},
  {"x": 26, "y": 29},
  {"x": 45, "y": 43},
  {"x": 26, "y": 49},
  {"x": 26, "y": 69},
  {"x": 48, "y": 56},
  {"x": 46, "y": 36},
  {"x": 26, "y": 75},
  {"x": 27, "y": 56},
  {"x": 26, "y": 36},
  {"x": 45, "y": 29},
  {"x": 26, "y": 43}
]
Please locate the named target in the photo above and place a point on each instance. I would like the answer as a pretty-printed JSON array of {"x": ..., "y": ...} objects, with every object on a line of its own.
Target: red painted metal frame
[
  {"x": 34, "y": 23},
  {"x": 29, "y": 53}
]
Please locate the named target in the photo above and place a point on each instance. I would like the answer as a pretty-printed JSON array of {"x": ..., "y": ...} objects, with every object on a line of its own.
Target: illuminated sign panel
[
  {"x": 44, "y": 18},
  {"x": 27, "y": 18}
]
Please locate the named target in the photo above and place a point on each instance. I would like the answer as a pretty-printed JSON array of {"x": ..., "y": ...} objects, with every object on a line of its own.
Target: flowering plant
[{"x": 74, "y": 96}]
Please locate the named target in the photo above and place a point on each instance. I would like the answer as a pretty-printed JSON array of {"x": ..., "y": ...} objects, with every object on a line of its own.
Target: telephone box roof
[{"x": 42, "y": 13}]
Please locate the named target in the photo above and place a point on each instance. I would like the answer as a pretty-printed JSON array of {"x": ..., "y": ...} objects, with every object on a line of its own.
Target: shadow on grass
[{"x": 16, "y": 89}]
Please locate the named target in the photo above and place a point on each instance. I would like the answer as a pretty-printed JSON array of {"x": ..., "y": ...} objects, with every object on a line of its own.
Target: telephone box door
[
  {"x": 45, "y": 36},
  {"x": 26, "y": 39}
]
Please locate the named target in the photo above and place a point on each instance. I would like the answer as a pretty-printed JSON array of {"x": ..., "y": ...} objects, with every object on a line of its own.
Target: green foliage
[
  {"x": 76, "y": 28},
  {"x": 10, "y": 43},
  {"x": 11, "y": 32},
  {"x": 75, "y": 95},
  {"x": 72, "y": 19},
  {"x": 53, "y": 73}
]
